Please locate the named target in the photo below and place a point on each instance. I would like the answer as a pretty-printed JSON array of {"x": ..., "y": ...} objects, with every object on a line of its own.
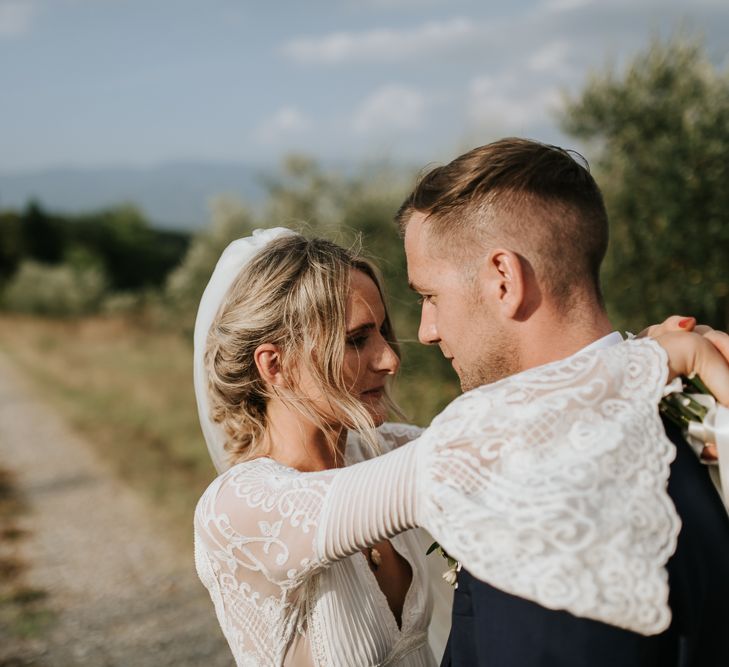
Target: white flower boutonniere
[{"x": 454, "y": 567}]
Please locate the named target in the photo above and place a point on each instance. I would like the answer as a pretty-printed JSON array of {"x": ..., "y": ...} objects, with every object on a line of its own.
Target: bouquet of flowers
[{"x": 689, "y": 404}]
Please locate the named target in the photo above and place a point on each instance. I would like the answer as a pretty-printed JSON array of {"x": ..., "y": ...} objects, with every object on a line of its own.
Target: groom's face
[{"x": 454, "y": 314}]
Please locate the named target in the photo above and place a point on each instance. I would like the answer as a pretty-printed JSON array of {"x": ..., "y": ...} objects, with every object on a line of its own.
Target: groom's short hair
[{"x": 539, "y": 200}]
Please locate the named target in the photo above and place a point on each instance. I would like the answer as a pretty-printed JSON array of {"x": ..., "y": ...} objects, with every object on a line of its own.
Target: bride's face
[{"x": 368, "y": 357}]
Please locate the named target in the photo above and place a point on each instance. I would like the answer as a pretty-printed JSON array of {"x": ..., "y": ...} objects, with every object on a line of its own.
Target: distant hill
[{"x": 172, "y": 195}]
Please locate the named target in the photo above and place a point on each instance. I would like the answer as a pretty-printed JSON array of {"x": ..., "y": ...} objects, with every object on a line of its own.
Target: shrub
[
  {"x": 185, "y": 285},
  {"x": 60, "y": 290}
]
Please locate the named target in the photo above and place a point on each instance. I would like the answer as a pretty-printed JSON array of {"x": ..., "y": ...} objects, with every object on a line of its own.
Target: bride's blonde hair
[{"x": 292, "y": 294}]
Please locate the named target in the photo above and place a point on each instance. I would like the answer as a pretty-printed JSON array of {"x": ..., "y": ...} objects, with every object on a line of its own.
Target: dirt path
[{"x": 119, "y": 592}]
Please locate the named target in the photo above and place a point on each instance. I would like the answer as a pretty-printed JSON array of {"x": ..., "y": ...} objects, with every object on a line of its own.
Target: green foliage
[
  {"x": 11, "y": 243},
  {"x": 42, "y": 235},
  {"x": 302, "y": 194},
  {"x": 112, "y": 262},
  {"x": 55, "y": 290},
  {"x": 134, "y": 255},
  {"x": 660, "y": 130},
  {"x": 118, "y": 242},
  {"x": 185, "y": 284}
]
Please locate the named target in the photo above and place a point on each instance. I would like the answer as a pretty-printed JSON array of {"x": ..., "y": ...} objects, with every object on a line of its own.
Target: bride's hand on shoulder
[
  {"x": 704, "y": 352},
  {"x": 680, "y": 323},
  {"x": 693, "y": 353}
]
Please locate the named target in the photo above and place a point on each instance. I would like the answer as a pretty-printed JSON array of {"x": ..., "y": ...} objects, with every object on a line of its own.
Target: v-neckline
[{"x": 379, "y": 595}]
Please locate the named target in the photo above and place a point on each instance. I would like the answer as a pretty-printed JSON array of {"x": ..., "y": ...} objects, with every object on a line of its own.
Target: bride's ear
[{"x": 268, "y": 362}]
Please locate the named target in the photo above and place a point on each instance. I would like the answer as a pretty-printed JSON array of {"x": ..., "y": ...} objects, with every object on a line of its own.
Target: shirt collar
[{"x": 606, "y": 341}]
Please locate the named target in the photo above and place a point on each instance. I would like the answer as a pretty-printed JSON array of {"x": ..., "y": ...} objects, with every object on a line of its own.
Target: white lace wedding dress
[
  {"x": 550, "y": 485},
  {"x": 277, "y": 600}
]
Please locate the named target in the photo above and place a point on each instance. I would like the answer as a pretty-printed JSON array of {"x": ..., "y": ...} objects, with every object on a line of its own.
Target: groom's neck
[{"x": 550, "y": 335}]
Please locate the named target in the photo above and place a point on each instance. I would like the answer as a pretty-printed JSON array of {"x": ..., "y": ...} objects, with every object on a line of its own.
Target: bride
[
  {"x": 290, "y": 397},
  {"x": 308, "y": 559}
]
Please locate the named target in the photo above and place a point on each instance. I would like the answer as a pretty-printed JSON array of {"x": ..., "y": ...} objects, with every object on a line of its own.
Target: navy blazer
[{"x": 494, "y": 629}]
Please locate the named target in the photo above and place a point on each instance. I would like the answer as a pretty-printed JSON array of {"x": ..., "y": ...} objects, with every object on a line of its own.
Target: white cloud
[
  {"x": 392, "y": 107},
  {"x": 383, "y": 44},
  {"x": 564, "y": 5},
  {"x": 506, "y": 104},
  {"x": 551, "y": 58},
  {"x": 16, "y": 17},
  {"x": 285, "y": 123},
  {"x": 398, "y": 4}
]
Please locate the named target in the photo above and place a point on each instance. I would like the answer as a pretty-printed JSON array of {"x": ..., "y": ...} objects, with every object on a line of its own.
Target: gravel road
[{"x": 121, "y": 592}]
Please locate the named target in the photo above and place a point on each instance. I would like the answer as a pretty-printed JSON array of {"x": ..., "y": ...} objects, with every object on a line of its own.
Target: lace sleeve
[
  {"x": 551, "y": 485},
  {"x": 266, "y": 518}
]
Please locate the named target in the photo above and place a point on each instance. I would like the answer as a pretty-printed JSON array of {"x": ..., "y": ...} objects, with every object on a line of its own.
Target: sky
[{"x": 91, "y": 83}]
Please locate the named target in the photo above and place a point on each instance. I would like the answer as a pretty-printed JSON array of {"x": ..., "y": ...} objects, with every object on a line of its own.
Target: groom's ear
[
  {"x": 502, "y": 276},
  {"x": 268, "y": 362}
]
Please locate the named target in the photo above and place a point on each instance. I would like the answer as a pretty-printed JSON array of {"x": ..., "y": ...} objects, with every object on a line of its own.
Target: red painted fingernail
[{"x": 685, "y": 322}]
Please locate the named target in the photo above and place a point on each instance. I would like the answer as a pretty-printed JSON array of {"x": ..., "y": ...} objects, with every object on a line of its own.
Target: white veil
[{"x": 230, "y": 264}]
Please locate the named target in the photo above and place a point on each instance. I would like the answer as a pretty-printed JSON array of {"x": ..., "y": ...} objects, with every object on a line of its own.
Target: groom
[{"x": 504, "y": 245}]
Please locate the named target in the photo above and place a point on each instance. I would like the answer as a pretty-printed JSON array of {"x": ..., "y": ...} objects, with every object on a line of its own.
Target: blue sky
[{"x": 140, "y": 82}]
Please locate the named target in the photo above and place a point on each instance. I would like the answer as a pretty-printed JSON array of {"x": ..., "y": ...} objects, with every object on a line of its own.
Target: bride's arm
[
  {"x": 281, "y": 525},
  {"x": 379, "y": 498},
  {"x": 370, "y": 501},
  {"x": 285, "y": 524}
]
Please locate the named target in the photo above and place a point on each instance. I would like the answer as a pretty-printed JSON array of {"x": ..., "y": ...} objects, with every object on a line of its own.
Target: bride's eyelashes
[
  {"x": 359, "y": 339},
  {"x": 357, "y": 342}
]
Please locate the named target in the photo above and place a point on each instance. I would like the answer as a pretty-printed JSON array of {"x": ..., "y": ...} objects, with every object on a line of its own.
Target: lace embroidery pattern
[
  {"x": 244, "y": 623},
  {"x": 258, "y": 611},
  {"x": 561, "y": 494},
  {"x": 255, "y": 530},
  {"x": 290, "y": 497}
]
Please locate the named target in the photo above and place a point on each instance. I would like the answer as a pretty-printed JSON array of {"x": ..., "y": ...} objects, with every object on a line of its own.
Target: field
[{"x": 128, "y": 389}]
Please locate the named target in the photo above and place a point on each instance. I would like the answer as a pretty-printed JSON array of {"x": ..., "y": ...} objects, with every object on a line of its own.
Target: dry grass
[
  {"x": 128, "y": 388},
  {"x": 129, "y": 391},
  {"x": 23, "y": 614}
]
